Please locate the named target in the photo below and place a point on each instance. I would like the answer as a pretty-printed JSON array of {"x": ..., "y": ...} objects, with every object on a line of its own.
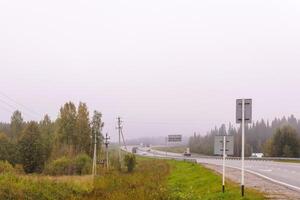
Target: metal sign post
[
  {"x": 224, "y": 156},
  {"x": 243, "y": 115},
  {"x": 243, "y": 148},
  {"x": 223, "y": 146}
]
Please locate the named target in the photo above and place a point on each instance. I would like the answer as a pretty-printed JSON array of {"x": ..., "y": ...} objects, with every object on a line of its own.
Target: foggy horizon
[{"x": 165, "y": 67}]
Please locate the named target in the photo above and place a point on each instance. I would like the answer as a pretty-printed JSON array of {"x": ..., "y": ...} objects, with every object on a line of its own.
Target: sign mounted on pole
[
  {"x": 223, "y": 146},
  {"x": 174, "y": 138},
  {"x": 243, "y": 116},
  {"x": 247, "y": 111},
  {"x": 218, "y": 147}
]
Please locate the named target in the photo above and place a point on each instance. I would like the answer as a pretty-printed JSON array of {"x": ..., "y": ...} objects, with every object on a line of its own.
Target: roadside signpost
[
  {"x": 223, "y": 146},
  {"x": 174, "y": 138},
  {"x": 243, "y": 115},
  {"x": 218, "y": 147}
]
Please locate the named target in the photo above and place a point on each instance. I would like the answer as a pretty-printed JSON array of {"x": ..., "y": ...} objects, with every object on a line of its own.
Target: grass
[
  {"x": 189, "y": 181},
  {"x": 17, "y": 187},
  {"x": 175, "y": 149},
  {"x": 151, "y": 180},
  {"x": 288, "y": 161},
  {"x": 147, "y": 182}
]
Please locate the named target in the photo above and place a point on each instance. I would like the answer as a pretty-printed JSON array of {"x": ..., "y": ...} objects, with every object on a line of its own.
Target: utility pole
[
  {"x": 95, "y": 155},
  {"x": 119, "y": 127},
  {"x": 106, "y": 146}
]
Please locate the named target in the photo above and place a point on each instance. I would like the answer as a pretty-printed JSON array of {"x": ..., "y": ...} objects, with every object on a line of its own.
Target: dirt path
[{"x": 273, "y": 191}]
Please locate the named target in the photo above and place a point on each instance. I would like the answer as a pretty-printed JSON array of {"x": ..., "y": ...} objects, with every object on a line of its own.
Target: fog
[{"x": 164, "y": 66}]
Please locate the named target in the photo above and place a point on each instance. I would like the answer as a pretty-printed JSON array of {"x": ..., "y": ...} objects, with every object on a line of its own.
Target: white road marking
[{"x": 265, "y": 170}]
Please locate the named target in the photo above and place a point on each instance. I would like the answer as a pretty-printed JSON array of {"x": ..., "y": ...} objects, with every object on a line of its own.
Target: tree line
[
  {"x": 278, "y": 138},
  {"x": 33, "y": 144}
]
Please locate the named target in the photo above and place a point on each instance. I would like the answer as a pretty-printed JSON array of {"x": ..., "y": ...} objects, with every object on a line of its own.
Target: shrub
[
  {"x": 79, "y": 165},
  {"x": 6, "y": 167},
  {"x": 83, "y": 164},
  {"x": 61, "y": 166},
  {"x": 19, "y": 169},
  {"x": 130, "y": 162},
  {"x": 13, "y": 187}
]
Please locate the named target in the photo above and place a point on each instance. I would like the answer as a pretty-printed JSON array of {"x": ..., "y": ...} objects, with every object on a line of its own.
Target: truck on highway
[{"x": 187, "y": 152}]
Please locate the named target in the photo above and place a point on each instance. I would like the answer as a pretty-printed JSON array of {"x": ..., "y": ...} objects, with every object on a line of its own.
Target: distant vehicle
[
  {"x": 187, "y": 152},
  {"x": 257, "y": 155}
]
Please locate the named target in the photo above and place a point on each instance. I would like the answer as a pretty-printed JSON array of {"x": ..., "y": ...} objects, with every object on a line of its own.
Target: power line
[
  {"x": 29, "y": 110},
  {"x": 6, "y": 109}
]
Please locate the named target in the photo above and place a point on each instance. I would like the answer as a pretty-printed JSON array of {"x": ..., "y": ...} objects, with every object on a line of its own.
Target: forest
[
  {"x": 54, "y": 147},
  {"x": 278, "y": 138}
]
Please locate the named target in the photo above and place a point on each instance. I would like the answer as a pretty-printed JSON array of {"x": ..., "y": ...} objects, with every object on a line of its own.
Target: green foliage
[
  {"x": 67, "y": 124},
  {"x": 31, "y": 149},
  {"x": 61, "y": 166},
  {"x": 152, "y": 180},
  {"x": 285, "y": 142},
  {"x": 83, "y": 130},
  {"x": 147, "y": 182},
  {"x": 16, "y": 124},
  {"x": 14, "y": 187},
  {"x": 130, "y": 162},
  {"x": 96, "y": 128},
  {"x": 189, "y": 181},
  {"x": 6, "y": 167},
  {"x": 79, "y": 165},
  {"x": 74, "y": 130},
  {"x": 46, "y": 128},
  {"x": 7, "y": 148},
  {"x": 114, "y": 159},
  {"x": 174, "y": 149},
  {"x": 256, "y": 137},
  {"x": 83, "y": 164}
]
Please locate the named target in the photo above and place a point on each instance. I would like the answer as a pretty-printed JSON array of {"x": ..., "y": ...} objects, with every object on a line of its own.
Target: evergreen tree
[
  {"x": 285, "y": 142},
  {"x": 16, "y": 125},
  {"x": 31, "y": 149},
  {"x": 6, "y": 148}
]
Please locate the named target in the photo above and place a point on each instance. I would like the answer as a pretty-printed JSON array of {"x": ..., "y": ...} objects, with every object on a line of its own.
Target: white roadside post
[
  {"x": 243, "y": 147},
  {"x": 224, "y": 145},
  {"x": 224, "y": 157},
  {"x": 166, "y": 146}
]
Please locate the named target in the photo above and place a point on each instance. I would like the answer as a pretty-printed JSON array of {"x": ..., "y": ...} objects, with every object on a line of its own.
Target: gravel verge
[{"x": 272, "y": 190}]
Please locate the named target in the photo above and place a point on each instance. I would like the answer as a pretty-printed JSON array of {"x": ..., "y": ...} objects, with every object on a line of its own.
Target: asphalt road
[{"x": 287, "y": 174}]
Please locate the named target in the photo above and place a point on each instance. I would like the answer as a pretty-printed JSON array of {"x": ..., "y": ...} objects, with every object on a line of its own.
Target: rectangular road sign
[
  {"x": 174, "y": 138},
  {"x": 248, "y": 111},
  {"x": 218, "y": 147}
]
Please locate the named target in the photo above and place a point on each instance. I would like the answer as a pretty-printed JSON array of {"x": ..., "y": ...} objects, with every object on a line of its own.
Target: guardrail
[{"x": 168, "y": 154}]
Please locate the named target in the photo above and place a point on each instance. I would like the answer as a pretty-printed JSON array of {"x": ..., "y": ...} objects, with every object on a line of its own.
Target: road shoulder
[{"x": 272, "y": 190}]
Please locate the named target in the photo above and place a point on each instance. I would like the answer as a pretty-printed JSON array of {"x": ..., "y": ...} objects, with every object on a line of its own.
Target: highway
[{"x": 287, "y": 174}]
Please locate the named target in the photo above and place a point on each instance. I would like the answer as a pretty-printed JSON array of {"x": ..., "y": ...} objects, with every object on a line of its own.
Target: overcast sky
[{"x": 165, "y": 66}]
